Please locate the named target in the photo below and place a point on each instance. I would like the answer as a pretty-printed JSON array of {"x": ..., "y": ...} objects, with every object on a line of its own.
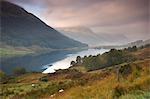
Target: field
[{"x": 123, "y": 81}]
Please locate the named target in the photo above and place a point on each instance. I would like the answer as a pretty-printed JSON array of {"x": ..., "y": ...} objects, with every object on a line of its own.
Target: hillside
[
  {"x": 126, "y": 80},
  {"x": 20, "y": 28}
]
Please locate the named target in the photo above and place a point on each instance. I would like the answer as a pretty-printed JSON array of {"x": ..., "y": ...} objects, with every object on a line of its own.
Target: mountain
[
  {"x": 81, "y": 34},
  {"x": 137, "y": 43},
  {"x": 20, "y": 28},
  {"x": 86, "y": 35}
]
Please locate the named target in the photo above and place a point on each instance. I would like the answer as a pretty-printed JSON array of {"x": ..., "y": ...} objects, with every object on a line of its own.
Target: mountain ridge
[
  {"x": 86, "y": 35},
  {"x": 20, "y": 28}
]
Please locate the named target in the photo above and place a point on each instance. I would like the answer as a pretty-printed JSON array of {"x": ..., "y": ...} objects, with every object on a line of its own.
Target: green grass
[
  {"x": 95, "y": 85},
  {"x": 11, "y": 90},
  {"x": 110, "y": 88},
  {"x": 137, "y": 95}
]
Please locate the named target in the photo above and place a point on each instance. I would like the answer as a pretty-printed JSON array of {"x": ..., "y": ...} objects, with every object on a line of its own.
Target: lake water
[
  {"x": 43, "y": 62},
  {"x": 65, "y": 63}
]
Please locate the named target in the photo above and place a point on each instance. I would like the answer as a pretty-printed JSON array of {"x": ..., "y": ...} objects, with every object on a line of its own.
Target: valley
[
  {"x": 131, "y": 81},
  {"x": 74, "y": 49}
]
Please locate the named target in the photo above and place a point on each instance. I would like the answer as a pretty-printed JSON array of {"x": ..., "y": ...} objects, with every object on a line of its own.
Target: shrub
[
  {"x": 72, "y": 63},
  {"x": 19, "y": 71},
  {"x": 2, "y": 75},
  {"x": 118, "y": 91},
  {"x": 78, "y": 60},
  {"x": 132, "y": 49},
  {"x": 44, "y": 79},
  {"x": 125, "y": 70},
  {"x": 74, "y": 74}
]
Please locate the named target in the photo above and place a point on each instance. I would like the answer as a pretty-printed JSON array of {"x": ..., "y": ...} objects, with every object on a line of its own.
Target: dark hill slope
[{"x": 20, "y": 28}]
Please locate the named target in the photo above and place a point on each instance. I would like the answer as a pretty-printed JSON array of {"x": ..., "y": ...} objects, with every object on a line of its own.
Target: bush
[
  {"x": 3, "y": 77},
  {"x": 118, "y": 91},
  {"x": 19, "y": 71},
  {"x": 44, "y": 79},
  {"x": 74, "y": 74},
  {"x": 125, "y": 70},
  {"x": 78, "y": 60},
  {"x": 132, "y": 49},
  {"x": 73, "y": 63}
]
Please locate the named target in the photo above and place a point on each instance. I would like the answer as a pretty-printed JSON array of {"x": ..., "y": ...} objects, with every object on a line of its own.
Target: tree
[
  {"x": 79, "y": 60},
  {"x": 134, "y": 48},
  {"x": 129, "y": 49},
  {"x": 19, "y": 71},
  {"x": 85, "y": 56},
  {"x": 2, "y": 75},
  {"x": 72, "y": 63}
]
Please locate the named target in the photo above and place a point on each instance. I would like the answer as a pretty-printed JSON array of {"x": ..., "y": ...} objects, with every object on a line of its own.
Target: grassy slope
[
  {"x": 132, "y": 87},
  {"x": 98, "y": 84}
]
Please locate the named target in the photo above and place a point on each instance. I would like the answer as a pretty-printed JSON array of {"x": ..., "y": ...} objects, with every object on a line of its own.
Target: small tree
[
  {"x": 72, "y": 63},
  {"x": 85, "y": 56},
  {"x": 134, "y": 48},
  {"x": 19, "y": 71},
  {"x": 79, "y": 60},
  {"x": 2, "y": 76},
  {"x": 129, "y": 49}
]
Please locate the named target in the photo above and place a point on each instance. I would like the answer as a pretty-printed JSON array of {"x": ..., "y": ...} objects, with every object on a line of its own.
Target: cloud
[
  {"x": 124, "y": 16},
  {"x": 91, "y": 12},
  {"x": 95, "y": 12}
]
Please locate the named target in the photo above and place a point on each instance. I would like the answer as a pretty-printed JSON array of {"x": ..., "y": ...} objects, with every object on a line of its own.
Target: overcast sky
[{"x": 128, "y": 17}]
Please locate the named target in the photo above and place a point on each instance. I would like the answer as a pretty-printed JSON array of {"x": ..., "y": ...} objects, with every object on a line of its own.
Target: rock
[
  {"x": 53, "y": 95},
  {"x": 61, "y": 90},
  {"x": 33, "y": 85}
]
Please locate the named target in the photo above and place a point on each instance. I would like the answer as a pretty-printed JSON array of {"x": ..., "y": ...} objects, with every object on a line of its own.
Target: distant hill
[
  {"x": 137, "y": 43},
  {"x": 20, "y": 28},
  {"x": 86, "y": 35}
]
